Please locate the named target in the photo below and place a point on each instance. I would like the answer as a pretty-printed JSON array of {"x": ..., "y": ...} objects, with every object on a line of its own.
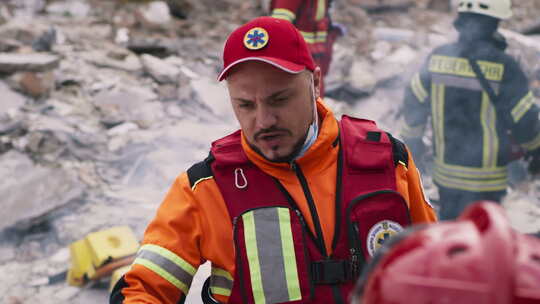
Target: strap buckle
[{"x": 331, "y": 271}]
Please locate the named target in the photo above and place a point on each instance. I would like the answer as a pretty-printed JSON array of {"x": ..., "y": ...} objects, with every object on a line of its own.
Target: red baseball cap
[{"x": 271, "y": 40}]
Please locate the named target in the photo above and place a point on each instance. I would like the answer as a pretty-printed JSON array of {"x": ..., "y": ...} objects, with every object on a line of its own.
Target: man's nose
[{"x": 266, "y": 117}]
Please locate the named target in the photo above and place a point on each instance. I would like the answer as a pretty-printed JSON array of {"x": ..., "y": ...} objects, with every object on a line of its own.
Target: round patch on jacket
[
  {"x": 256, "y": 38},
  {"x": 381, "y": 232}
]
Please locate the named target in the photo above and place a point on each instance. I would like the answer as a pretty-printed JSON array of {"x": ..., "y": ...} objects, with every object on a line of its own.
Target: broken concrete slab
[
  {"x": 160, "y": 70},
  {"x": 31, "y": 191},
  {"x": 36, "y": 62},
  {"x": 10, "y": 99}
]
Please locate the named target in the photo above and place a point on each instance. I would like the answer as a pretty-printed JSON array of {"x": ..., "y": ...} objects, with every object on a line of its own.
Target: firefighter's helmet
[{"x": 500, "y": 9}]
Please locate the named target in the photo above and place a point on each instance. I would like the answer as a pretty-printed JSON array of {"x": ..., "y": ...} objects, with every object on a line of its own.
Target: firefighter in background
[
  {"x": 476, "y": 259},
  {"x": 288, "y": 208},
  {"x": 312, "y": 18},
  {"x": 479, "y": 102}
]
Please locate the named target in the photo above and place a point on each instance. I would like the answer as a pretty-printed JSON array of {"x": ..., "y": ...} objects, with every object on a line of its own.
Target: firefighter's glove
[{"x": 534, "y": 162}]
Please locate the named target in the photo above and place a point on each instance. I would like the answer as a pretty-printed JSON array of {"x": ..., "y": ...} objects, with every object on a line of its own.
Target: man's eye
[
  {"x": 280, "y": 100},
  {"x": 245, "y": 105}
]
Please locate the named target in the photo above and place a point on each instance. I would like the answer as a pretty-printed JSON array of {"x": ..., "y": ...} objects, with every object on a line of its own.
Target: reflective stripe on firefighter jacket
[
  {"x": 471, "y": 132},
  {"x": 313, "y": 21},
  {"x": 278, "y": 259},
  {"x": 193, "y": 225}
]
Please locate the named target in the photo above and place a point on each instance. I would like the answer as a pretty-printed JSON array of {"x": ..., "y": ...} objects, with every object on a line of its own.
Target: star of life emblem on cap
[{"x": 256, "y": 38}]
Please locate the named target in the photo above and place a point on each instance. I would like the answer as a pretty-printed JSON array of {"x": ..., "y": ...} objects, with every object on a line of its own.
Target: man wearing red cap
[{"x": 288, "y": 208}]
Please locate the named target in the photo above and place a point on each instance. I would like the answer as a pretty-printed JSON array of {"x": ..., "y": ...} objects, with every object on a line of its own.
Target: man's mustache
[{"x": 263, "y": 132}]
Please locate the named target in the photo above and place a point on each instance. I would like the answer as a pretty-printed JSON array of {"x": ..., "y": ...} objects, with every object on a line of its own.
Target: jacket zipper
[
  {"x": 355, "y": 249},
  {"x": 312, "y": 208}
]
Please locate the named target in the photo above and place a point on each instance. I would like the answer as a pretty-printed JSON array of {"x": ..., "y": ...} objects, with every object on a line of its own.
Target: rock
[
  {"x": 130, "y": 63},
  {"x": 167, "y": 92},
  {"x": 157, "y": 46},
  {"x": 521, "y": 39},
  {"x": 122, "y": 129},
  {"x": 71, "y": 8},
  {"x": 160, "y": 70},
  {"x": 35, "y": 84},
  {"x": 154, "y": 14},
  {"x": 10, "y": 99},
  {"x": 122, "y": 104},
  {"x": 9, "y": 45},
  {"x": 7, "y": 253},
  {"x": 45, "y": 42},
  {"x": 213, "y": 95},
  {"x": 31, "y": 191},
  {"x": 361, "y": 77},
  {"x": 393, "y": 34},
  {"x": 34, "y": 62},
  {"x": 29, "y": 7}
]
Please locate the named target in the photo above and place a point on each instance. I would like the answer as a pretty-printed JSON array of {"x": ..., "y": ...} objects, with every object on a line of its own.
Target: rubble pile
[{"x": 104, "y": 102}]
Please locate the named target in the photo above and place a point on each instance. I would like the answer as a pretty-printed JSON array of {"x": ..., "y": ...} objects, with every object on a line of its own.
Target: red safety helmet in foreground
[{"x": 476, "y": 259}]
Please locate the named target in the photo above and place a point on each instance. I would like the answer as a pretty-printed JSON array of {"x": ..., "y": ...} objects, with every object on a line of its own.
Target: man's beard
[{"x": 288, "y": 158}]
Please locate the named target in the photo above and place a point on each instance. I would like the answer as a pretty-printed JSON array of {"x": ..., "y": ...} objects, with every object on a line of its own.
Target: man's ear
[{"x": 317, "y": 78}]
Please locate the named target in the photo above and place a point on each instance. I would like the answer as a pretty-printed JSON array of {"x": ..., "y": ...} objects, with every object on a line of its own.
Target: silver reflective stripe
[
  {"x": 462, "y": 82},
  {"x": 221, "y": 282},
  {"x": 271, "y": 255},
  {"x": 167, "y": 265}
]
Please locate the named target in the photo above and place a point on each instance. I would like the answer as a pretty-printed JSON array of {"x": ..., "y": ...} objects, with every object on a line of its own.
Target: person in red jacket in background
[{"x": 312, "y": 19}]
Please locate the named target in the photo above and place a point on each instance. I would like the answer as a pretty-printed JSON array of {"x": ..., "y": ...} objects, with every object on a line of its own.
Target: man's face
[{"x": 274, "y": 108}]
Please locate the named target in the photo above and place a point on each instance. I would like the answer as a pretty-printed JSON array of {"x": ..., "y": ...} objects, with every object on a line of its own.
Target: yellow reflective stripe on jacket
[
  {"x": 470, "y": 178},
  {"x": 470, "y": 185},
  {"x": 418, "y": 88},
  {"x": 200, "y": 180},
  {"x": 270, "y": 247},
  {"x": 167, "y": 265},
  {"x": 412, "y": 131},
  {"x": 490, "y": 139},
  {"x": 289, "y": 256},
  {"x": 437, "y": 110},
  {"x": 522, "y": 107},
  {"x": 283, "y": 13},
  {"x": 461, "y": 67},
  {"x": 314, "y": 37},
  {"x": 532, "y": 144},
  {"x": 455, "y": 171},
  {"x": 253, "y": 258},
  {"x": 321, "y": 10},
  {"x": 221, "y": 282}
]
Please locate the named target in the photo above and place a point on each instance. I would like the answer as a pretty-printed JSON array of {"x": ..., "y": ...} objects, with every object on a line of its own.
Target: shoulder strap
[
  {"x": 483, "y": 81},
  {"x": 200, "y": 170},
  {"x": 399, "y": 151}
]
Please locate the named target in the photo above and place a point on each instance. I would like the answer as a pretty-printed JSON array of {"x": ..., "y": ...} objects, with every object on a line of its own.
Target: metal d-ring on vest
[{"x": 239, "y": 171}]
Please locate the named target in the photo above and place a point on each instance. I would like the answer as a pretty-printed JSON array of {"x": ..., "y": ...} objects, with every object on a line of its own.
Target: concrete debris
[
  {"x": 103, "y": 103},
  {"x": 31, "y": 191},
  {"x": 71, "y": 8},
  {"x": 35, "y": 62},
  {"x": 34, "y": 84},
  {"x": 160, "y": 70},
  {"x": 155, "y": 13},
  {"x": 11, "y": 100},
  {"x": 393, "y": 34}
]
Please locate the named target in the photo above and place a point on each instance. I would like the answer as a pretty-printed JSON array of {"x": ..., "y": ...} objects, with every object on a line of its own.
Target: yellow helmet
[{"x": 500, "y": 9}]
